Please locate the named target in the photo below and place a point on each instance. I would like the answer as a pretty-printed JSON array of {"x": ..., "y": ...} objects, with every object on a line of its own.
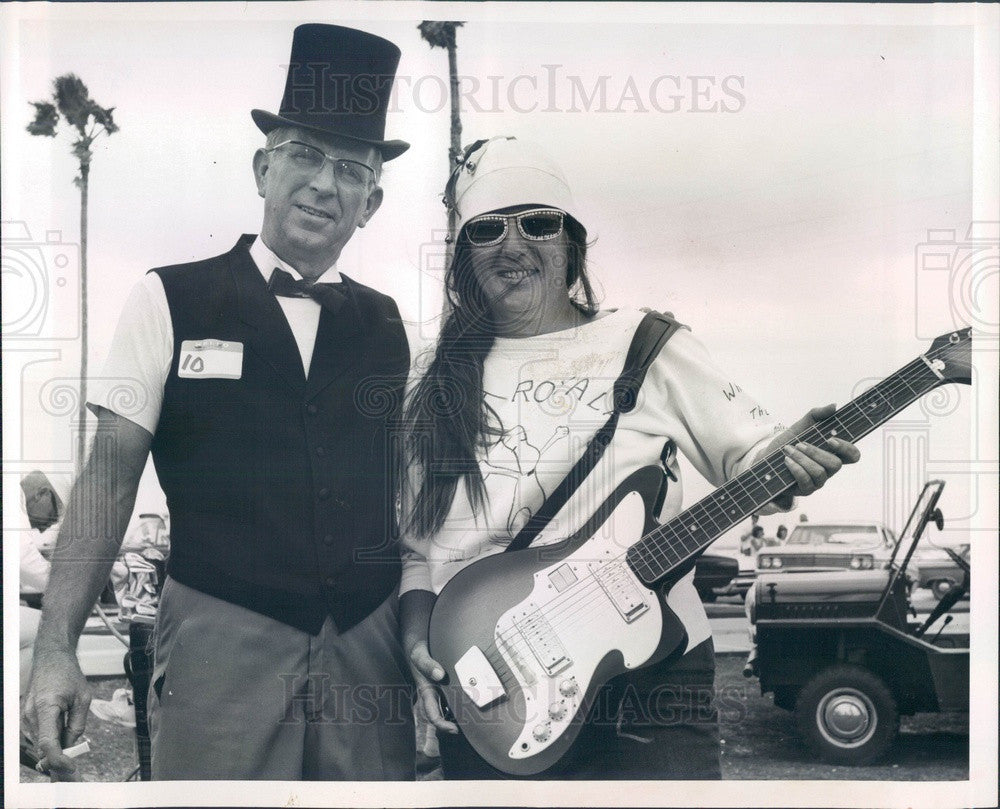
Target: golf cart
[
  {"x": 714, "y": 574},
  {"x": 844, "y": 652}
]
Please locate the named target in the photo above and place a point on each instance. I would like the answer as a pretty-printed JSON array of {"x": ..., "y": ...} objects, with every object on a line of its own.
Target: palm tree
[
  {"x": 71, "y": 99},
  {"x": 442, "y": 35}
]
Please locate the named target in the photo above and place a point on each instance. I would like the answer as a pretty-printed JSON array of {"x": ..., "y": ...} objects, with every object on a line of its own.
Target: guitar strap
[{"x": 652, "y": 333}]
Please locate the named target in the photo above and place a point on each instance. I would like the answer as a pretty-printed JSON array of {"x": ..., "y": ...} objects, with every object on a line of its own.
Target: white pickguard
[{"x": 579, "y": 610}]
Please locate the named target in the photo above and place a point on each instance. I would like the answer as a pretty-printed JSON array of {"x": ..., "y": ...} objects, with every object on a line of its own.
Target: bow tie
[{"x": 328, "y": 295}]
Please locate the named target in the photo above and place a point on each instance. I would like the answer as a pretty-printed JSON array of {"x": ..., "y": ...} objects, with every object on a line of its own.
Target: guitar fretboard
[{"x": 694, "y": 529}]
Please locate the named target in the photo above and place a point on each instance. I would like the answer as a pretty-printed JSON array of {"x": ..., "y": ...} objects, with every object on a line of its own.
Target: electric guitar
[{"x": 527, "y": 638}]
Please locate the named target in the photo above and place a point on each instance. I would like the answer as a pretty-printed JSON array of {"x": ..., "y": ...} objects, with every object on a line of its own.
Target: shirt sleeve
[
  {"x": 136, "y": 369},
  {"x": 34, "y": 566},
  {"x": 718, "y": 426},
  {"x": 416, "y": 572}
]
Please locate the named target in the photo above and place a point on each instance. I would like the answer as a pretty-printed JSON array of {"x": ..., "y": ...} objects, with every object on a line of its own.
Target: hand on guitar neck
[
  {"x": 811, "y": 465},
  {"x": 529, "y": 638}
]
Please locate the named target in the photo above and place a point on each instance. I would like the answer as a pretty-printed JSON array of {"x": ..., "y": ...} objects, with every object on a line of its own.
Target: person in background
[
  {"x": 770, "y": 541},
  {"x": 149, "y": 532},
  {"x": 40, "y": 512},
  {"x": 138, "y": 574},
  {"x": 752, "y": 541},
  {"x": 43, "y": 507}
]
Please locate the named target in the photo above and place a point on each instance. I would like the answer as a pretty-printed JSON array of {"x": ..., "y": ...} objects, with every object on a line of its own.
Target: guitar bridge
[{"x": 622, "y": 591}]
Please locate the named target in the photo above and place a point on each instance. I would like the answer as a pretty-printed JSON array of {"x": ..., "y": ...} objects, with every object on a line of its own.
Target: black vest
[{"x": 281, "y": 489}]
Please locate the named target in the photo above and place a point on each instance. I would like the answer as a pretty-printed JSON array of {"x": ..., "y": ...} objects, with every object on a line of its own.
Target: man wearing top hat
[{"x": 270, "y": 383}]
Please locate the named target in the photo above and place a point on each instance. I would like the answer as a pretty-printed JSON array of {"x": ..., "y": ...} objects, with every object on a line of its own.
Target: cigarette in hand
[{"x": 80, "y": 748}]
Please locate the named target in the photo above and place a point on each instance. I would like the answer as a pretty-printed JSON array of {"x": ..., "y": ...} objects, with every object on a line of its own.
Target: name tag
[{"x": 210, "y": 359}]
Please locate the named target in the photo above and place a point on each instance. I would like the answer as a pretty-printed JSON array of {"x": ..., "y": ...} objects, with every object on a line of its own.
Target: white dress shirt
[{"x": 138, "y": 363}]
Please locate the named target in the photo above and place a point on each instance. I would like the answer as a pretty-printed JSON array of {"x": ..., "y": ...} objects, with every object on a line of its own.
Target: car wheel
[
  {"x": 847, "y": 715},
  {"x": 941, "y": 586}
]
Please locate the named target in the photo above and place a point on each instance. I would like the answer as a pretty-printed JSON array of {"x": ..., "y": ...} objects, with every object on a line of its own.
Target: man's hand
[
  {"x": 55, "y": 709},
  {"x": 810, "y": 465},
  {"x": 427, "y": 671},
  {"x": 102, "y": 500}
]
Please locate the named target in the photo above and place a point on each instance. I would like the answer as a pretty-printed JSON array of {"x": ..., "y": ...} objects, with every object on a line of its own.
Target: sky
[{"x": 796, "y": 184}]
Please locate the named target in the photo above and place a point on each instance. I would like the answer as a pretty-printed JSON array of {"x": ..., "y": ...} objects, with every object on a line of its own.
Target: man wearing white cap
[
  {"x": 522, "y": 378},
  {"x": 269, "y": 384}
]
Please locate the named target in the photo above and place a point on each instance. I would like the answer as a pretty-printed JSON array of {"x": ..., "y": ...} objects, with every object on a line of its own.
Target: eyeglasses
[
  {"x": 537, "y": 225},
  {"x": 310, "y": 160}
]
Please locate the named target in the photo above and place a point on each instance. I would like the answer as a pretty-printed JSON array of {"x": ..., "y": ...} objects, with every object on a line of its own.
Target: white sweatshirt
[{"x": 552, "y": 393}]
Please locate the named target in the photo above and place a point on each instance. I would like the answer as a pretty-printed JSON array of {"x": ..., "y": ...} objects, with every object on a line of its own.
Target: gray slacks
[{"x": 237, "y": 695}]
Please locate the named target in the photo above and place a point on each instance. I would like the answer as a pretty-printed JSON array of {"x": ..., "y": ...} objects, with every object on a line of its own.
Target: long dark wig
[{"x": 447, "y": 419}]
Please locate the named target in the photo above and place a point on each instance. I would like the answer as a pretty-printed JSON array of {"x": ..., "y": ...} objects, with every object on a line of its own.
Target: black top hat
[{"x": 339, "y": 81}]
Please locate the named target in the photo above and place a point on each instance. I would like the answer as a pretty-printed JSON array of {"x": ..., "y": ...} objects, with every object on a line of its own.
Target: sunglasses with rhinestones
[{"x": 536, "y": 225}]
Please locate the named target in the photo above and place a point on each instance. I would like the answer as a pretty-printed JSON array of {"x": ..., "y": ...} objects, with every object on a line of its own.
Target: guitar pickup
[
  {"x": 622, "y": 591},
  {"x": 544, "y": 643},
  {"x": 478, "y": 678}
]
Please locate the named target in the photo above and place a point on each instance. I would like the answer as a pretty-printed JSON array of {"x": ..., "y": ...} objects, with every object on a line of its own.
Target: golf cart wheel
[
  {"x": 847, "y": 715},
  {"x": 941, "y": 586}
]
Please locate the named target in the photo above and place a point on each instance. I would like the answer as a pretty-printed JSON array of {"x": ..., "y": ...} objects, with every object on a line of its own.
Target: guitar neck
[{"x": 694, "y": 529}]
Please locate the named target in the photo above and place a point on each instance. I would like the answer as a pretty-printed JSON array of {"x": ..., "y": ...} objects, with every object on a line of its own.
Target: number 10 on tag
[{"x": 210, "y": 359}]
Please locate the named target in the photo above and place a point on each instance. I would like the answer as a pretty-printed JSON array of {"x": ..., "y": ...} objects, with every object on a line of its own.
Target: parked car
[
  {"x": 712, "y": 574},
  {"x": 939, "y": 572},
  {"x": 830, "y": 546},
  {"x": 843, "y": 651}
]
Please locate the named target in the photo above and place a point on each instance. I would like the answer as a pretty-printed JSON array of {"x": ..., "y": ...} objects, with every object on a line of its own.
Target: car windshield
[
  {"x": 854, "y": 536},
  {"x": 923, "y": 515}
]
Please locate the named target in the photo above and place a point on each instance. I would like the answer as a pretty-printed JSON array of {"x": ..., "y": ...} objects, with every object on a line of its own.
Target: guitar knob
[
  {"x": 557, "y": 710},
  {"x": 540, "y": 732},
  {"x": 568, "y": 688}
]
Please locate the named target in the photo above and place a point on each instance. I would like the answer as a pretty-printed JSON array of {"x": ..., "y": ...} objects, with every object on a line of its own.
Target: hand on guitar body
[
  {"x": 414, "y": 615},
  {"x": 811, "y": 466}
]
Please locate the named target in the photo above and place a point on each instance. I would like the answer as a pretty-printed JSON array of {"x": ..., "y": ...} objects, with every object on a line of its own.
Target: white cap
[{"x": 505, "y": 172}]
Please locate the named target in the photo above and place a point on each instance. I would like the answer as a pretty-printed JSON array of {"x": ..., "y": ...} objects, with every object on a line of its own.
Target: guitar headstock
[{"x": 951, "y": 356}]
